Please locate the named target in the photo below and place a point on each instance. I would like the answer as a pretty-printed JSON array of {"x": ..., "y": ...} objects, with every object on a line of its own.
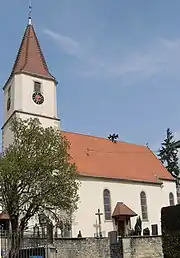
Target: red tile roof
[
  {"x": 99, "y": 157},
  {"x": 30, "y": 58},
  {"x": 122, "y": 210}
]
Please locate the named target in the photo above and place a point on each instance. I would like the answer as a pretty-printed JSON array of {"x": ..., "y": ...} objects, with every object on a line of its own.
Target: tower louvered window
[{"x": 37, "y": 87}]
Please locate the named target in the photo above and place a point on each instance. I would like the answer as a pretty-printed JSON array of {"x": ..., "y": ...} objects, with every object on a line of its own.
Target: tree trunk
[{"x": 15, "y": 237}]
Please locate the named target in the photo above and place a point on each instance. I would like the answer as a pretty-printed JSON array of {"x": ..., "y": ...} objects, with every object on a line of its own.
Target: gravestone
[{"x": 154, "y": 229}]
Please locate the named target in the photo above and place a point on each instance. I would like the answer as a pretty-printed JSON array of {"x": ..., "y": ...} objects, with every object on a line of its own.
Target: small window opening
[
  {"x": 9, "y": 92},
  {"x": 37, "y": 86}
]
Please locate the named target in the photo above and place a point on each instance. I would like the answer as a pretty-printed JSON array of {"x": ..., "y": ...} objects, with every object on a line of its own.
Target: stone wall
[
  {"x": 134, "y": 247},
  {"x": 82, "y": 248},
  {"x": 143, "y": 247}
]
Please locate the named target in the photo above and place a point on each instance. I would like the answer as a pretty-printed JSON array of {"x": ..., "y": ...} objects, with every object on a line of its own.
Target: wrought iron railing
[{"x": 28, "y": 245}]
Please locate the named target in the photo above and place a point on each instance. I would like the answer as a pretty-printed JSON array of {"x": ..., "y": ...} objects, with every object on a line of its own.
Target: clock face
[
  {"x": 38, "y": 98},
  {"x": 8, "y": 104}
]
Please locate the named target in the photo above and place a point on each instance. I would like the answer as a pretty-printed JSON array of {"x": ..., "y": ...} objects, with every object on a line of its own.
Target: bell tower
[{"x": 30, "y": 90}]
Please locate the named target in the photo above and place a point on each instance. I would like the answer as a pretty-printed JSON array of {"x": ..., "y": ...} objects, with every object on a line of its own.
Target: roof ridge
[
  {"x": 26, "y": 55},
  {"x": 103, "y": 138}
]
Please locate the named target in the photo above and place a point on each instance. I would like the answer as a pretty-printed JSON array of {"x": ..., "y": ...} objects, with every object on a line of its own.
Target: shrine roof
[{"x": 122, "y": 210}]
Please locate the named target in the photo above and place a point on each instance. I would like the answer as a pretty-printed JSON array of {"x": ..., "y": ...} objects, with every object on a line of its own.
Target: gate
[{"x": 30, "y": 246}]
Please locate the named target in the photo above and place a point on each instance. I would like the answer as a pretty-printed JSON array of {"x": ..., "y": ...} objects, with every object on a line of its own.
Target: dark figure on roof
[{"x": 113, "y": 137}]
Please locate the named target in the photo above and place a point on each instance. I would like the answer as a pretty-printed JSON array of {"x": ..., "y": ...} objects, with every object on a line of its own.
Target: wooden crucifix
[{"x": 99, "y": 214}]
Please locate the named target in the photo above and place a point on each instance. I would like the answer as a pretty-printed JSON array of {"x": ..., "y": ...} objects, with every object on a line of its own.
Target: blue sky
[{"x": 117, "y": 63}]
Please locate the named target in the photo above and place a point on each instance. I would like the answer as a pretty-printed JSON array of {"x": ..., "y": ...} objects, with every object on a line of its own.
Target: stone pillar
[{"x": 51, "y": 251}]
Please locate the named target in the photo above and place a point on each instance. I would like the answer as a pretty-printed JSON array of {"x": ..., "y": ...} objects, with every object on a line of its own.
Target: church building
[{"x": 119, "y": 181}]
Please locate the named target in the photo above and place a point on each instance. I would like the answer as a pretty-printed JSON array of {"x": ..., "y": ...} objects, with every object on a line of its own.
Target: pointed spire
[
  {"x": 30, "y": 13},
  {"x": 30, "y": 59}
]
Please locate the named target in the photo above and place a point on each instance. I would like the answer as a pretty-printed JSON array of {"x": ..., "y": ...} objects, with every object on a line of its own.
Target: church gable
[{"x": 100, "y": 157}]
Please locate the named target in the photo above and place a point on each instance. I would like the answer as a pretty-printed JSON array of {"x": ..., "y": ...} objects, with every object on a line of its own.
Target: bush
[
  {"x": 170, "y": 225},
  {"x": 138, "y": 227},
  {"x": 170, "y": 218}
]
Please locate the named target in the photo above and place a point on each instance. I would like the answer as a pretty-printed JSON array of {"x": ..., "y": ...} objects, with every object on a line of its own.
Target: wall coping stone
[
  {"x": 79, "y": 238},
  {"x": 155, "y": 236}
]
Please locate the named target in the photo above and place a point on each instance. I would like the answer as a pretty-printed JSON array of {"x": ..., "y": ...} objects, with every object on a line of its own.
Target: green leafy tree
[
  {"x": 37, "y": 175},
  {"x": 168, "y": 154}
]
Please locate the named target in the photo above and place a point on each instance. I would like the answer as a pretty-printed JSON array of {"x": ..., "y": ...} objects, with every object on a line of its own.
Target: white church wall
[
  {"x": 24, "y": 91},
  {"x": 7, "y": 136},
  {"x": 169, "y": 187},
  {"x": 46, "y": 122},
  {"x": 11, "y": 86},
  {"x": 91, "y": 198}
]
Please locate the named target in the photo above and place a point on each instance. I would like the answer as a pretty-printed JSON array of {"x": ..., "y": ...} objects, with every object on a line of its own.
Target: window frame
[
  {"x": 9, "y": 92},
  {"x": 144, "y": 208},
  {"x": 107, "y": 205},
  {"x": 37, "y": 84},
  {"x": 171, "y": 199}
]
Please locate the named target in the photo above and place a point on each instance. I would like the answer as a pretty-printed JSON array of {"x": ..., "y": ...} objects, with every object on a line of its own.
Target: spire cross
[{"x": 30, "y": 12}]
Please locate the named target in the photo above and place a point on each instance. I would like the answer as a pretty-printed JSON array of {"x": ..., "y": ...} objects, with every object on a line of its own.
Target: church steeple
[
  {"x": 30, "y": 59},
  {"x": 30, "y": 91}
]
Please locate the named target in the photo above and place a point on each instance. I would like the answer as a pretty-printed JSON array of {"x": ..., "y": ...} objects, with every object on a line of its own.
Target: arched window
[
  {"x": 171, "y": 199},
  {"x": 144, "y": 206},
  {"x": 107, "y": 204}
]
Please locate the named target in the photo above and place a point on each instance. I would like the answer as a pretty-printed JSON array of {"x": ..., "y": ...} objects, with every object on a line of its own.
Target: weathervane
[
  {"x": 30, "y": 12},
  {"x": 113, "y": 137}
]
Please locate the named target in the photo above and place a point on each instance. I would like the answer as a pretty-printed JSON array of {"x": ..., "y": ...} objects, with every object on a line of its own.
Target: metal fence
[{"x": 29, "y": 246}]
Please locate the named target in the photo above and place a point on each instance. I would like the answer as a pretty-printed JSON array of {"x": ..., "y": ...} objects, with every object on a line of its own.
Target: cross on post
[{"x": 99, "y": 214}]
